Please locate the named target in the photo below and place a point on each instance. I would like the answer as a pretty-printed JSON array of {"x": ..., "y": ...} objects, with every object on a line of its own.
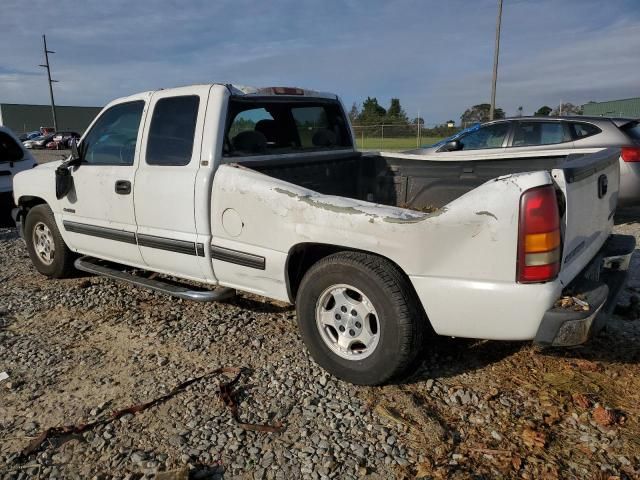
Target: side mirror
[
  {"x": 64, "y": 181},
  {"x": 75, "y": 154},
  {"x": 452, "y": 146}
]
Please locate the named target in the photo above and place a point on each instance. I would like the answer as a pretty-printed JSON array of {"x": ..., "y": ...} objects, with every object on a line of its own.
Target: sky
[{"x": 436, "y": 56}]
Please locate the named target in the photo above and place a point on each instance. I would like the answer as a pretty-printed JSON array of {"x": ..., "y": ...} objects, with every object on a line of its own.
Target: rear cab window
[
  {"x": 266, "y": 126},
  {"x": 10, "y": 151}
]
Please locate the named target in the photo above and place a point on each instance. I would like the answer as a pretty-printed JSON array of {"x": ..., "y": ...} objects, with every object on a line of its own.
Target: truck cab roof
[{"x": 237, "y": 90}]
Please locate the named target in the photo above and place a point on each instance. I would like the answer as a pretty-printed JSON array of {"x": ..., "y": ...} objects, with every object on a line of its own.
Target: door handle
[{"x": 123, "y": 187}]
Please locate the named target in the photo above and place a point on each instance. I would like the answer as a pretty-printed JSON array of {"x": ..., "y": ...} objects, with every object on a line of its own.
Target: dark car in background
[
  {"x": 528, "y": 135},
  {"x": 64, "y": 138}
]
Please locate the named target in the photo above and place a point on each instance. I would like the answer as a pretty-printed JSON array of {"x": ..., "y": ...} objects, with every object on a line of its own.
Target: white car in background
[{"x": 13, "y": 159}]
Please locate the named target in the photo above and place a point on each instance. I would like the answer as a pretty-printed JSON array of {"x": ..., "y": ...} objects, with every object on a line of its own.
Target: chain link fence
[{"x": 393, "y": 137}]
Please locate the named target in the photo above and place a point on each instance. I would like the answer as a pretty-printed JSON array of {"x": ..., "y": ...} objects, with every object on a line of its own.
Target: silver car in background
[
  {"x": 534, "y": 134},
  {"x": 38, "y": 142}
]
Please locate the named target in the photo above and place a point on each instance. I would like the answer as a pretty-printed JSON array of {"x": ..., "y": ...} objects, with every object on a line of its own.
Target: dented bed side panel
[{"x": 266, "y": 217}]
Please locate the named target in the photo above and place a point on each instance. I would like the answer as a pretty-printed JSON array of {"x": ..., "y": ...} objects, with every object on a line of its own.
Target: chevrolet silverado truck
[{"x": 262, "y": 190}]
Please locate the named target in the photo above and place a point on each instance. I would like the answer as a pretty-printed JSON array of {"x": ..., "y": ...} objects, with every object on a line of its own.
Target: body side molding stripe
[
  {"x": 151, "y": 241},
  {"x": 239, "y": 258},
  {"x": 102, "y": 232},
  {"x": 169, "y": 244}
]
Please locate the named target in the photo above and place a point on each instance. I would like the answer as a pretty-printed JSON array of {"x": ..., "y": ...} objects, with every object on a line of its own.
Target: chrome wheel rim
[
  {"x": 43, "y": 243},
  {"x": 347, "y": 322}
]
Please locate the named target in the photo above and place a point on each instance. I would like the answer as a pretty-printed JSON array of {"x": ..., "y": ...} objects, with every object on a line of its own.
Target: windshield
[{"x": 276, "y": 126}]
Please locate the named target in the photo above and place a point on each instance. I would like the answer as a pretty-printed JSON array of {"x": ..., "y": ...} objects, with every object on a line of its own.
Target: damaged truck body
[{"x": 262, "y": 190}]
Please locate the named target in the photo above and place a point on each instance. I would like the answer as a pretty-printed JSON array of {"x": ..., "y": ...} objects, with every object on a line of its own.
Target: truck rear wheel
[
  {"x": 360, "y": 318},
  {"x": 47, "y": 250}
]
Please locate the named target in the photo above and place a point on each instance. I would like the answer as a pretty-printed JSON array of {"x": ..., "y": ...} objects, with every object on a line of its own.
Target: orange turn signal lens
[{"x": 541, "y": 242}]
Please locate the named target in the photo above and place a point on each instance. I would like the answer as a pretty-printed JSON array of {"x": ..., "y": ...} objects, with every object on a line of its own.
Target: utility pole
[
  {"x": 46, "y": 65},
  {"x": 495, "y": 62}
]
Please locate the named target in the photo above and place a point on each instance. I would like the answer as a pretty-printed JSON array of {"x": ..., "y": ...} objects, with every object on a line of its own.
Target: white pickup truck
[{"x": 262, "y": 190}]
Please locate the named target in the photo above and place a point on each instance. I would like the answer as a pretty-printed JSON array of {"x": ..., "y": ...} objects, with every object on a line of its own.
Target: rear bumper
[{"x": 599, "y": 285}]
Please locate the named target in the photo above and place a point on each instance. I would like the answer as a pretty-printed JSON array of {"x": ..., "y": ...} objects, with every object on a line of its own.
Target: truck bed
[{"x": 397, "y": 181}]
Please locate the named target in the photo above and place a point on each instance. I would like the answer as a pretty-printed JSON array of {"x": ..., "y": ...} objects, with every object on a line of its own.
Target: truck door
[
  {"x": 98, "y": 213},
  {"x": 165, "y": 182}
]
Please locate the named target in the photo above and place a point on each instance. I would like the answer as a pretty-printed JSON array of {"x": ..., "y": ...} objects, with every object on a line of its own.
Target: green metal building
[
  {"x": 27, "y": 118},
  {"x": 629, "y": 107}
]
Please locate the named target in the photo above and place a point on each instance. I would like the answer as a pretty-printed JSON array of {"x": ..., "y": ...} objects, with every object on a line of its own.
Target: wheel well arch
[
  {"x": 30, "y": 201},
  {"x": 26, "y": 203},
  {"x": 303, "y": 256}
]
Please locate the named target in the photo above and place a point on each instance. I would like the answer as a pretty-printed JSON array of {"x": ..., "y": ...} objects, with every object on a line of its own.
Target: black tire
[
  {"x": 62, "y": 264},
  {"x": 401, "y": 319}
]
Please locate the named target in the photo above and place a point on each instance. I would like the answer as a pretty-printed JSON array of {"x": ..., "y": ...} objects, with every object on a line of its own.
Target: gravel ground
[{"x": 80, "y": 348}]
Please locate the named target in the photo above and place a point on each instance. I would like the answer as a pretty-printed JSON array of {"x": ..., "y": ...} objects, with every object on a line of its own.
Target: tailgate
[{"x": 590, "y": 185}]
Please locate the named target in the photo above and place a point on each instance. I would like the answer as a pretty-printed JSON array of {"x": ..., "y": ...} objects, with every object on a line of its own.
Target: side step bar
[{"x": 99, "y": 267}]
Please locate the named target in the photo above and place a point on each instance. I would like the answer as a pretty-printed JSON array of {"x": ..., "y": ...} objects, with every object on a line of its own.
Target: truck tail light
[
  {"x": 630, "y": 154},
  {"x": 538, "y": 236}
]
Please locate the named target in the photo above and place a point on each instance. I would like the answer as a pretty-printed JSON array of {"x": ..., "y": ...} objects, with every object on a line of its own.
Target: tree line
[
  {"x": 480, "y": 113},
  {"x": 372, "y": 113},
  {"x": 394, "y": 118}
]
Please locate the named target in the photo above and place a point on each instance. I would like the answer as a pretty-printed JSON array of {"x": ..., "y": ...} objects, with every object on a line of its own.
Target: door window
[
  {"x": 112, "y": 139},
  {"x": 172, "y": 131},
  {"x": 491, "y": 136},
  {"x": 538, "y": 133}
]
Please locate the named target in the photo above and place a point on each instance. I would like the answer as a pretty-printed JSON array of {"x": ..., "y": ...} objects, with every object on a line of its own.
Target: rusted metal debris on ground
[{"x": 226, "y": 392}]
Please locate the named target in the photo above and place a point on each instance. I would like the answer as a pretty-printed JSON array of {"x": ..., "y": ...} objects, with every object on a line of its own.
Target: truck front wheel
[
  {"x": 47, "y": 250},
  {"x": 360, "y": 318}
]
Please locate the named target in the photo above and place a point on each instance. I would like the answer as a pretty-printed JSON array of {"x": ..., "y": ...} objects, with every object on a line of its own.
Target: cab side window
[
  {"x": 112, "y": 139},
  {"x": 527, "y": 134},
  {"x": 491, "y": 136},
  {"x": 172, "y": 131}
]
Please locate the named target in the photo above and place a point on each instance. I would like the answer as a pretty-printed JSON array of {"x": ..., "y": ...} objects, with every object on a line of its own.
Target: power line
[{"x": 46, "y": 65}]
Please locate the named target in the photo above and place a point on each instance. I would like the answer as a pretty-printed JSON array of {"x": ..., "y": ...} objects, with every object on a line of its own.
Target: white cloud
[{"x": 435, "y": 56}]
